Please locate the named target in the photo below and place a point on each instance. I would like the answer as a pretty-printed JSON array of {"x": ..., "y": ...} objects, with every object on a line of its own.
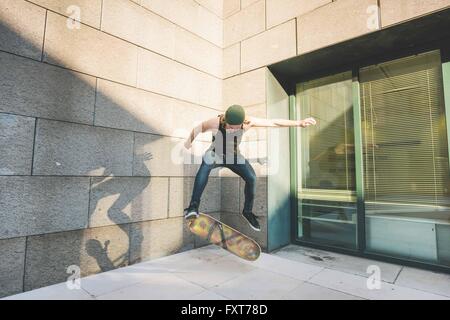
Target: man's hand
[
  {"x": 307, "y": 122},
  {"x": 248, "y": 124},
  {"x": 279, "y": 123},
  {"x": 188, "y": 144}
]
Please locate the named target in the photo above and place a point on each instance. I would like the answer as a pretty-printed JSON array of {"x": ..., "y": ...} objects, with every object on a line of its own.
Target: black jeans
[{"x": 244, "y": 170}]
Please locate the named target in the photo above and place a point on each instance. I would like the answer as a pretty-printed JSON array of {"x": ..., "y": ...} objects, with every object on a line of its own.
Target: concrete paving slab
[
  {"x": 159, "y": 287},
  {"x": 309, "y": 291},
  {"x": 258, "y": 284},
  {"x": 433, "y": 282},
  {"x": 56, "y": 292},
  {"x": 357, "y": 286},
  {"x": 336, "y": 261}
]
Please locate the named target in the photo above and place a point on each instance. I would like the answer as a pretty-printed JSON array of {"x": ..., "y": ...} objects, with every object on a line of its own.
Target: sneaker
[
  {"x": 252, "y": 221},
  {"x": 191, "y": 211}
]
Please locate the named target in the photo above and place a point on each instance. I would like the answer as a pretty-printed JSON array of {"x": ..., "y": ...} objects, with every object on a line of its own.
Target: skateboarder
[{"x": 224, "y": 151}]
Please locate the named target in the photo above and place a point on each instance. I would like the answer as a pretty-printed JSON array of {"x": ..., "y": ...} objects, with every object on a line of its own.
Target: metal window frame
[
  {"x": 294, "y": 168},
  {"x": 360, "y": 199},
  {"x": 445, "y": 59}
]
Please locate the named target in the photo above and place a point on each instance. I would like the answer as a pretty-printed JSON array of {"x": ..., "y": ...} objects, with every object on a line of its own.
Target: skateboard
[{"x": 218, "y": 233}]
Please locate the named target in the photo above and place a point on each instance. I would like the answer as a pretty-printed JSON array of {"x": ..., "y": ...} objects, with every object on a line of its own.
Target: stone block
[
  {"x": 89, "y": 50},
  {"x": 16, "y": 143},
  {"x": 230, "y": 194},
  {"x": 22, "y": 28},
  {"x": 157, "y": 34},
  {"x": 191, "y": 16},
  {"x": 91, "y": 250},
  {"x": 155, "y": 239},
  {"x": 165, "y": 76},
  {"x": 268, "y": 47},
  {"x": 396, "y": 11},
  {"x": 35, "y": 89},
  {"x": 213, "y": 5},
  {"x": 232, "y": 60},
  {"x": 89, "y": 10},
  {"x": 245, "y": 89},
  {"x": 331, "y": 24},
  {"x": 163, "y": 157},
  {"x": 198, "y": 53},
  {"x": 123, "y": 107},
  {"x": 36, "y": 205},
  {"x": 244, "y": 24},
  {"x": 73, "y": 149},
  {"x": 231, "y": 7},
  {"x": 119, "y": 200},
  {"x": 181, "y": 192},
  {"x": 246, "y": 3},
  {"x": 12, "y": 252},
  {"x": 279, "y": 11},
  {"x": 142, "y": 26}
]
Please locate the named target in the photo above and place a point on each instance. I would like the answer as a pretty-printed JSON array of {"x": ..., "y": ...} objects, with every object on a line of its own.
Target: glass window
[
  {"x": 405, "y": 157},
  {"x": 326, "y": 172}
]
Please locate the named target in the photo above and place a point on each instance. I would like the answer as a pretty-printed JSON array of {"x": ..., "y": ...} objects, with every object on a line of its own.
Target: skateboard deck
[{"x": 218, "y": 233}]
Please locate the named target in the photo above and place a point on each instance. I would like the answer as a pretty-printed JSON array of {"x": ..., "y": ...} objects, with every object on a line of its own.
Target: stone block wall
[{"x": 91, "y": 108}]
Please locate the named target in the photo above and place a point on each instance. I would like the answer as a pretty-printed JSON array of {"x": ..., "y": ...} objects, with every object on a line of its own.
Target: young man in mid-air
[{"x": 224, "y": 151}]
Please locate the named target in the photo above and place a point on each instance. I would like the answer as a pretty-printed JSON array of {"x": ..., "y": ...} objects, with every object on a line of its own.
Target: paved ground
[{"x": 291, "y": 273}]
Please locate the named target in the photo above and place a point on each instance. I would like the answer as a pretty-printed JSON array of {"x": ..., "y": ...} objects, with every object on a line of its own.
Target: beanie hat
[{"x": 235, "y": 115}]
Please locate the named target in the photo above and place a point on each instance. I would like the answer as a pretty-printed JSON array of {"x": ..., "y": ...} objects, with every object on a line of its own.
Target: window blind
[
  {"x": 405, "y": 151},
  {"x": 327, "y": 154}
]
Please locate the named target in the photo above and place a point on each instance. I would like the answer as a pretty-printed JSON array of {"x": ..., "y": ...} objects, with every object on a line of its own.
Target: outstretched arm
[{"x": 281, "y": 123}]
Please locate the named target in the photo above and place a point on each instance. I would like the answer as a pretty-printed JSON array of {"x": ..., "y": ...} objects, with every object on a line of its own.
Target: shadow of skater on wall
[
  {"x": 125, "y": 210},
  {"x": 99, "y": 251}
]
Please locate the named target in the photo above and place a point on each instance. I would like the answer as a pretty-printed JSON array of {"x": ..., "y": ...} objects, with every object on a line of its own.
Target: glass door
[{"x": 326, "y": 162}]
